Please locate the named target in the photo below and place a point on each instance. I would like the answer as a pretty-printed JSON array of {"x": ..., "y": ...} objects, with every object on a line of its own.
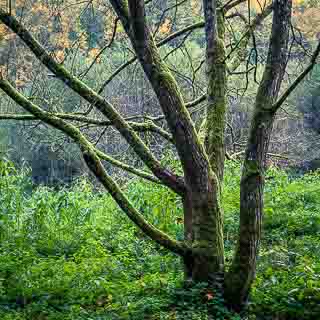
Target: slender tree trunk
[
  {"x": 242, "y": 271},
  {"x": 216, "y": 96}
]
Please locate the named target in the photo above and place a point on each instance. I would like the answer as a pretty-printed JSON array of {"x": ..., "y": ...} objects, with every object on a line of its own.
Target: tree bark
[
  {"x": 242, "y": 271},
  {"x": 217, "y": 91},
  {"x": 203, "y": 219}
]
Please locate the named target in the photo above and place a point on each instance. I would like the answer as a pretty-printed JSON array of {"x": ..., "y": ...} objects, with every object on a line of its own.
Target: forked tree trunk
[{"x": 203, "y": 218}]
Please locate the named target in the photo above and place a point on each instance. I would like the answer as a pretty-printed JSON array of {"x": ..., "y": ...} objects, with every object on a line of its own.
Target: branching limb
[
  {"x": 136, "y": 126},
  {"x": 92, "y": 159},
  {"x": 171, "y": 180},
  {"x": 299, "y": 79},
  {"x": 126, "y": 167},
  {"x": 102, "y": 155}
]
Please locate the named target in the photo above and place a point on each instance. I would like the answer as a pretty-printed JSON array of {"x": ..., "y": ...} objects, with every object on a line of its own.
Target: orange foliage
[
  {"x": 20, "y": 83},
  {"x": 5, "y": 33},
  {"x": 259, "y": 5},
  {"x": 165, "y": 27},
  {"x": 195, "y": 6},
  {"x": 3, "y": 71},
  {"x": 308, "y": 22},
  {"x": 93, "y": 54},
  {"x": 39, "y": 8},
  {"x": 59, "y": 55}
]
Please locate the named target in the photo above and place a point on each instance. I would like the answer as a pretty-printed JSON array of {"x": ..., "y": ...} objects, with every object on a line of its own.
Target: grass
[{"x": 72, "y": 254}]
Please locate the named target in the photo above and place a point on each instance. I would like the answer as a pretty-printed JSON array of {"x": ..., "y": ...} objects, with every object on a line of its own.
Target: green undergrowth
[{"x": 72, "y": 254}]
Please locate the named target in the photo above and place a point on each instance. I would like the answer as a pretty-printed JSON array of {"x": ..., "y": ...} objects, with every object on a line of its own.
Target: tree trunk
[
  {"x": 204, "y": 228},
  {"x": 205, "y": 210},
  {"x": 203, "y": 214},
  {"x": 216, "y": 96},
  {"x": 242, "y": 271}
]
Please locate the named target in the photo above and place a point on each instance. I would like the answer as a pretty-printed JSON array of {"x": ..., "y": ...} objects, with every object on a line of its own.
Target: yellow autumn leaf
[
  {"x": 3, "y": 71},
  {"x": 39, "y": 8},
  {"x": 195, "y": 6},
  {"x": 93, "y": 52},
  {"x": 4, "y": 31},
  {"x": 259, "y": 5},
  {"x": 308, "y": 22},
  {"x": 10, "y": 36},
  {"x": 20, "y": 83},
  {"x": 63, "y": 41},
  {"x": 82, "y": 41},
  {"x": 59, "y": 55},
  {"x": 165, "y": 27}
]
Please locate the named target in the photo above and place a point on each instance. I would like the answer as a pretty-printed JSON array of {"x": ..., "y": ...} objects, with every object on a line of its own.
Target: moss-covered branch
[
  {"x": 168, "y": 178},
  {"x": 91, "y": 157},
  {"x": 136, "y": 126}
]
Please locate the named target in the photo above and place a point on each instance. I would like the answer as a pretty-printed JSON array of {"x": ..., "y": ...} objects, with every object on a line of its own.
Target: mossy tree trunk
[
  {"x": 215, "y": 148},
  {"x": 242, "y": 271},
  {"x": 202, "y": 210}
]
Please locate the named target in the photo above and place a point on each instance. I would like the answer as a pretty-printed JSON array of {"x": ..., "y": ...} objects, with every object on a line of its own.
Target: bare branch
[
  {"x": 92, "y": 160},
  {"x": 102, "y": 50},
  {"x": 196, "y": 101},
  {"x": 246, "y": 34},
  {"x": 299, "y": 79},
  {"x": 171, "y": 180},
  {"x": 159, "y": 44},
  {"x": 136, "y": 126},
  {"x": 178, "y": 33},
  {"x": 102, "y": 155},
  {"x": 231, "y": 4}
]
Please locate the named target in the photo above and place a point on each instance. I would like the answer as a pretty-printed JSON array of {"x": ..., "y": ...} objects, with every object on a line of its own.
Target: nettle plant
[{"x": 200, "y": 185}]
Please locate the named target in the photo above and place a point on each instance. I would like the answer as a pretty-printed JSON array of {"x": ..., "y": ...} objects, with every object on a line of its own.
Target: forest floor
[{"x": 72, "y": 254}]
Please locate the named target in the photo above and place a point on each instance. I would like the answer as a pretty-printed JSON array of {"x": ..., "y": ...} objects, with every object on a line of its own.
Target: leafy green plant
[{"x": 72, "y": 254}]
